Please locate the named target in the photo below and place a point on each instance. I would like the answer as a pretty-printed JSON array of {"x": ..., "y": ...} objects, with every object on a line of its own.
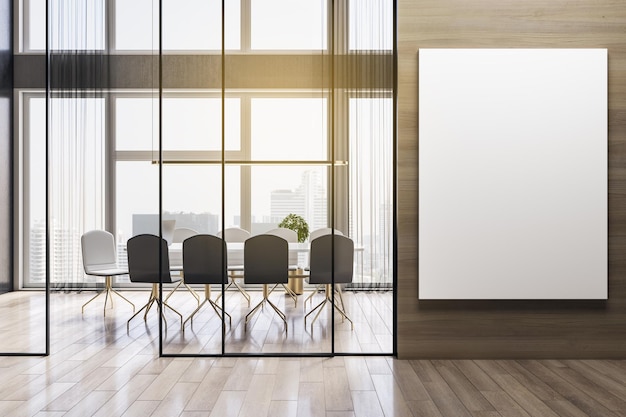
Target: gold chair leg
[
  {"x": 191, "y": 290},
  {"x": 122, "y": 297},
  {"x": 225, "y": 288},
  {"x": 289, "y": 292},
  {"x": 328, "y": 299},
  {"x": 254, "y": 310},
  {"x": 280, "y": 313},
  {"x": 216, "y": 308},
  {"x": 320, "y": 307},
  {"x": 108, "y": 294},
  {"x": 343, "y": 315},
  {"x": 174, "y": 289},
  {"x": 93, "y": 298},
  {"x": 154, "y": 298},
  {"x": 241, "y": 290},
  {"x": 145, "y": 307},
  {"x": 266, "y": 293},
  {"x": 292, "y": 294},
  {"x": 310, "y": 297},
  {"x": 171, "y": 308}
]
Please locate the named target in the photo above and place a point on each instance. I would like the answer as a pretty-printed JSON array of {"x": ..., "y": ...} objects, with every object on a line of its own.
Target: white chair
[
  {"x": 332, "y": 261},
  {"x": 178, "y": 236},
  {"x": 314, "y": 235},
  {"x": 167, "y": 230},
  {"x": 182, "y": 233},
  {"x": 323, "y": 231},
  {"x": 235, "y": 261},
  {"x": 100, "y": 259},
  {"x": 291, "y": 237},
  {"x": 266, "y": 262}
]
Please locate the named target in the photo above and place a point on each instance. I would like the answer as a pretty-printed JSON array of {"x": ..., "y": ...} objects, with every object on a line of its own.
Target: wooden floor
[{"x": 97, "y": 368}]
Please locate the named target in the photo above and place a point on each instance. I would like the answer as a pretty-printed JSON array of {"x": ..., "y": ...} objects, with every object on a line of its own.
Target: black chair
[
  {"x": 204, "y": 262},
  {"x": 143, "y": 267},
  {"x": 266, "y": 261},
  {"x": 332, "y": 260}
]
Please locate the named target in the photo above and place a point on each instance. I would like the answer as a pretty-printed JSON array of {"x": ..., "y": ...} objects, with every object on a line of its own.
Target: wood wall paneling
[{"x": 501, "y": 329}]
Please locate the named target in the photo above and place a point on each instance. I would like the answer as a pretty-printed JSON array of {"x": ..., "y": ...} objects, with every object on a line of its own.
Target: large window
[
  {"x": 294, "y": 116},
  {"x": 76, "y": 25},
  {"x": 77, "y": 183},
  {"x": 304, "y": 20}
]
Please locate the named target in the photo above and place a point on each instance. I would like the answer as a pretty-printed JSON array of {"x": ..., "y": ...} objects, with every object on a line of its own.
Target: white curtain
[{"x": 76, "y": 133}]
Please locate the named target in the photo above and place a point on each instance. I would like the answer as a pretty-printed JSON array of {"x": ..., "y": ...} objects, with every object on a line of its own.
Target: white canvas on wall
[{"x": 513, "y": 174}]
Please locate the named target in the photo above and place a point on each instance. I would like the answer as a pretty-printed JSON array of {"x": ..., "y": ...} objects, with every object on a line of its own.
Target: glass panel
[
  {"x": 137, "y": 197},
  {"x": 23, "y": 313},
  {"x": 195, "y": 124},
  {"x": 36, "y": 25},
  {"x": 305, "y": 22},
  {"x": 136, "y": 121},
  {"x": 192, "y": 196},
  {"x": 137, "y": 25},
  {"x": 77, "y": 25},
  {"x": 197, "y": 25},
  {"x": 35, "y": 185},
  {"x": 77, "y": 183},
  {"x": 74, "y": 25},
  {"x": 187, "y": 25},
  {"x": 23, "y": 322},
  {"x": 281, "y": 190},
  {"x": 275, "y": 192},
  {"x": 289, "y": 129},
  {"x": 371, "y": 25},
  {"x": 368, "y": 300},
  {"x": 189, "y": 124}
]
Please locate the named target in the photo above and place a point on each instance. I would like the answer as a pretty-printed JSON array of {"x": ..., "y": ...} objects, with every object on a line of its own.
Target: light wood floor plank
[
  {"x": 287, "y": 381},
  {"x": 38, "y": 402},
  {"x": 165, "y": 381},
  {"x": 390, "y": 396},
  {"x": 337, "y": 389},
  {"x": 209, "y": 389},
  {"x": 97, "y": 368},
  {"x": 125, "y": 396},
  {"x": 228, "y": 404},
  {"x": 283, "y": 408},
  {"x": 366, "y": 404},
  {"x": 311, "y": 401}
]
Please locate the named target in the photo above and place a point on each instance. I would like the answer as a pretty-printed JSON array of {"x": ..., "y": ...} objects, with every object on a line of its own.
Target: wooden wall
[{"x": 510, "y": 329}]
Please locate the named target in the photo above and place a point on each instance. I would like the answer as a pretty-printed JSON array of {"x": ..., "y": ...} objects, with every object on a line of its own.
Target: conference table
[
  {"x": 232, "y": 248},
  {"x": 236, "y": 248}
]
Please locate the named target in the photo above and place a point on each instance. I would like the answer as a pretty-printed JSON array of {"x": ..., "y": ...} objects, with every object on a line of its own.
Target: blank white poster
[{"x": 513, "y": 174}]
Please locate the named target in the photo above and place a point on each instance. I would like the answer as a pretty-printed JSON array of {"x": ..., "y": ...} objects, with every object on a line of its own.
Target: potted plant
[{"x": 297, "y": 224}]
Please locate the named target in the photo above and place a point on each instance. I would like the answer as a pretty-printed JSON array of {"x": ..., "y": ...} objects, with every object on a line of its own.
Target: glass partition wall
[{"x": 214, "y": 115}]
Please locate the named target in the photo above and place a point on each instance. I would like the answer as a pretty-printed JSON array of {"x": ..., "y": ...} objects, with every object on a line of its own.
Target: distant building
[{"x": 309, "y": 200}]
